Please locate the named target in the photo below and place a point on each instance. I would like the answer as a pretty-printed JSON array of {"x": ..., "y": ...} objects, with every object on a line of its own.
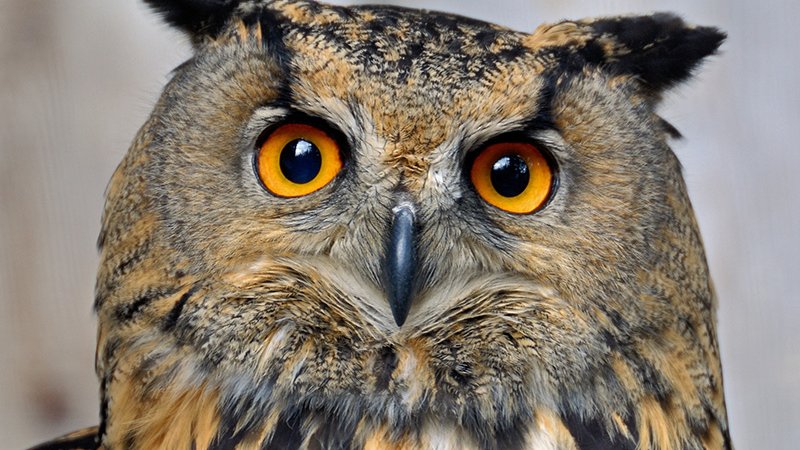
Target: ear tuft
[
  {"x": 197, "y": 17},
  {"x": 661, "y": 49}
]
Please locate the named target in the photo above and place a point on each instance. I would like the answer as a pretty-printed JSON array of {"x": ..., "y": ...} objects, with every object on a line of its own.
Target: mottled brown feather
[{"x": 232, "y": 318}]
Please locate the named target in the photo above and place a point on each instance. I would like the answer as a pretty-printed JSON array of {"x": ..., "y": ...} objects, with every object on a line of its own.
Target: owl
[{"x": 384, "y": 228}]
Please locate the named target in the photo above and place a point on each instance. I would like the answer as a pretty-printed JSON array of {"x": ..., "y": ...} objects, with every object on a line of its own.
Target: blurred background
[{"x": 78, "y": 78}]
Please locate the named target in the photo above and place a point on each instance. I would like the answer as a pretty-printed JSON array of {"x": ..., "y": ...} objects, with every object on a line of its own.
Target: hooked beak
[{"x": 401, "y": 261}]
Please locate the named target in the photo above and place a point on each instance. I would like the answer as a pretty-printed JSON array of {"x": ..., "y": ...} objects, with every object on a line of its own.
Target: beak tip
[
  {"x": 399, "y": 320},
  {"x": 399, "y": 314}
]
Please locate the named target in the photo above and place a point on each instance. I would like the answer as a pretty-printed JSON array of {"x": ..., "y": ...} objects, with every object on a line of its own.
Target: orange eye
[
  {"x": 512, "y": 176},
  {"x": 297, "y": 159}
]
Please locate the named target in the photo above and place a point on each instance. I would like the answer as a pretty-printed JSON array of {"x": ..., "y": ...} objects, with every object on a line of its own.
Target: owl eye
[
  {"x": 512, "y": 176},
  {"x": 297, "y": 159}
]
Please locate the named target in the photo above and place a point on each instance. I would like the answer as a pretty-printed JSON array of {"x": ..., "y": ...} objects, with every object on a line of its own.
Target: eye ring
[
  {"x": 297, "y": 159},
  {"x": 514, "y": 176}
]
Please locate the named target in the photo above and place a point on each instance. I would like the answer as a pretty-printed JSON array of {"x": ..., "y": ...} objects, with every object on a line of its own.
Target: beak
[{"x": 401, "y": 261}]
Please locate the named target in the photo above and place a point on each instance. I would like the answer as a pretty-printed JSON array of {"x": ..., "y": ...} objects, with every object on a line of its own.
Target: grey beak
[{"x": 401, "y": 261}]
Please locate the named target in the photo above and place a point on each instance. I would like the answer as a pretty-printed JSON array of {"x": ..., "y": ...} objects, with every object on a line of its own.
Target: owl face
[
  {"x": 410, "y": 110},
  {"x": 374, "y": 224}
]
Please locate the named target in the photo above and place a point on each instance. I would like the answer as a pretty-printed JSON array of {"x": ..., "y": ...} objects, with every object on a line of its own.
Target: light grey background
[{"x": 78, "y": 78}]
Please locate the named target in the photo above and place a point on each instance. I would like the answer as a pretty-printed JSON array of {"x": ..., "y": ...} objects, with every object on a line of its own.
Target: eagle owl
[{"x": 384, "y": 228}]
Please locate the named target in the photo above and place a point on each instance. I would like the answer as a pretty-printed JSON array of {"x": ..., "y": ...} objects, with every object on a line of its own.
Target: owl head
[{"x": 383, "y": 226}]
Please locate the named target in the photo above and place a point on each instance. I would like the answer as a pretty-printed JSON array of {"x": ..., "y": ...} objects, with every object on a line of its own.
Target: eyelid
[{"x": 263, "y": 119}]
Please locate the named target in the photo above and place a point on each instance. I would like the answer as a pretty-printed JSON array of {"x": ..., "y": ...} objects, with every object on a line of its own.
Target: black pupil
[
  {"x": 300, "y": 161},
  {"x": 510, "y": 175}
]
